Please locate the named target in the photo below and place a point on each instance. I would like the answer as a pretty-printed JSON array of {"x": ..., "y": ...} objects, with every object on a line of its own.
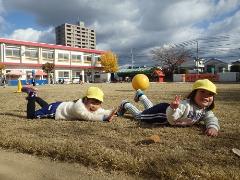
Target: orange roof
[{"x": 158, "y": 73}]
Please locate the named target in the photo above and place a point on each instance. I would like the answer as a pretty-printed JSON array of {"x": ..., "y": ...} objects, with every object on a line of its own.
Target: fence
[{"x": 222, "y": 77}]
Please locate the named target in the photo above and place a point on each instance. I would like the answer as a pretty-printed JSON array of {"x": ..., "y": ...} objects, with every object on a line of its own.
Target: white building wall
[
  {"x": 178, "y": 77},
  {"x": 1, "y": 54},
  {"x": 229, "y": 76},
  {"x": 105, "y": 77}
]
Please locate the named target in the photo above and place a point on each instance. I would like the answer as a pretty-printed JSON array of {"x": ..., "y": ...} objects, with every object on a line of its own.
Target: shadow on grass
[
  {"x": 232, "y": 95},
  {"x": 12, "y": 114},
  {"x": 227, "y": 140}
]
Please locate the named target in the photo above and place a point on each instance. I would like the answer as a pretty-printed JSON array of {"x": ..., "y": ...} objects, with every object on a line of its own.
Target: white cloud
[
  {"x": 30, "y": 34},
  {"x": 122, "y": 25}
]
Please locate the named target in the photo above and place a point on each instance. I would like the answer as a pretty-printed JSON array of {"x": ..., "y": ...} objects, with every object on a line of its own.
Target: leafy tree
[
  {"x": 109, "y": 62},
  {"x": 48, "y": 68},
  {"x": 2, "y": 67},
  {"x": 170, "y": 58}
]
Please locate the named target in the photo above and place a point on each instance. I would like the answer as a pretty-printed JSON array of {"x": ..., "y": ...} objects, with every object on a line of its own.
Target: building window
[
  {"x": 63, "y": 74},
  {"x": 13, "y": 51},
  {"x": 63, "y": 57},
  {"x": 87, "y": 58},
  {"x": 97, "y": 59},
  {"x": 31, "y": 53},
  {"x": 76, "y": 58},
  {"x": 78, "y": 74},
  {"x": 48, "y": 55}
]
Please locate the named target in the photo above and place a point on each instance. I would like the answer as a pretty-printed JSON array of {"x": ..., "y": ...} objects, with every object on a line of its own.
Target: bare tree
[{"x": 170, "y": 58}]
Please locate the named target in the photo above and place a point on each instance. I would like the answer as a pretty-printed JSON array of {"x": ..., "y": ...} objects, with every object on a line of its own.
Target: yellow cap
[
  {"x": 95, "y": 93},
  {"x": 205, "y": 84}
]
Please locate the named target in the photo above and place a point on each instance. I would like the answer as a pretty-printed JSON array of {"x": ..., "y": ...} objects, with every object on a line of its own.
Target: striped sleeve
[{"x": 211, "y": 121}]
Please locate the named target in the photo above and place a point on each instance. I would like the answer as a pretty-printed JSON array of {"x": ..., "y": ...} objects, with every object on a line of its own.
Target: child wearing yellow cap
[
  {"x": 88, "y": 108},
  {"x": 196, "y": 107}
]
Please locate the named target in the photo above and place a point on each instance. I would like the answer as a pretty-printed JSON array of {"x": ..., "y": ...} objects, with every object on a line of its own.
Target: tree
[
  {"x": 2, "y": 67},
  {"x": 48, "y": 68},
  {"x": 109, "y": 62},
  {"x": 170, "y": 58}
]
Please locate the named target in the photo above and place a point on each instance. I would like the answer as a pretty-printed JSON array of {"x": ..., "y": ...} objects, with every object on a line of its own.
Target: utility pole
[
  {"x": 132, "y": 57},
  {"x": 197, "y": 58}
]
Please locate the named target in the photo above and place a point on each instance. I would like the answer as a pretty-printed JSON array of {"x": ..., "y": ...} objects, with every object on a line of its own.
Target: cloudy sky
[{"x": 137, "y": 25}]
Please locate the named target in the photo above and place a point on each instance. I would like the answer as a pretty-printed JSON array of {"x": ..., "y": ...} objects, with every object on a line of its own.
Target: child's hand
[
  {"x": 211, "y": 132},
  {"x": 112, "y": 115},
  {"x": 175, "y": 103}
]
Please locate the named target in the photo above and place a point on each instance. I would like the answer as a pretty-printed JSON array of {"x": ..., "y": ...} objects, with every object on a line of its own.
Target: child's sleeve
[
  {"x": 81, "y": 112},
  {"x": 106, "y": 112},
  {"x": 211, "y": 120},
  {"x": 175, "y": 114}
]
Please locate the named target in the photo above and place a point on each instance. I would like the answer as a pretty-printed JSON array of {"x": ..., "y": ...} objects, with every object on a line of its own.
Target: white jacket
[
  {"x": 188, "y": 114},
  {"x": 77, "y": 111}
]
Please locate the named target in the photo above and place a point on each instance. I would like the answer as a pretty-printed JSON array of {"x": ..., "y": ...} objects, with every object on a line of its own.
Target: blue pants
[
  {"x": 155, "y": 114},
  {"x": 46, "y": 111},
  {"x": 151, "y": 114}
]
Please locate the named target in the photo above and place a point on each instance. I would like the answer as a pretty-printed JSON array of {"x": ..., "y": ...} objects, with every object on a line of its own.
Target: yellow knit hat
[
  {"x": 205, "y": 84},
  {"x": 95, "y": 93}
]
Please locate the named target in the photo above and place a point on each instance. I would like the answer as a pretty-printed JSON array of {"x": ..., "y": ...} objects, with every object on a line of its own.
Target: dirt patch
[{"x": 22, "y": 166}]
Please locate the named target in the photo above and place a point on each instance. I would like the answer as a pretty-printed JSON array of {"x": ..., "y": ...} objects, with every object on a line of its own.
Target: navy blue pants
[
  {"x": 155, "y": 114},
  {"x": 46, "y": 111}
]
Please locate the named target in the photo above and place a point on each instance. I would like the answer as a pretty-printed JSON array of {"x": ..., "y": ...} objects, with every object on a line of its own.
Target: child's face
[
  {"x": 203, "y": 98},
  {"x": 92, "y": 104}
]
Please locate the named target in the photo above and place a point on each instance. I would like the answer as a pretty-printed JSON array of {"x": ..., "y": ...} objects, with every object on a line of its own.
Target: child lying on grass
[
  {"x": 196, "y": 107},
  {"x": 88, "y": 108}
]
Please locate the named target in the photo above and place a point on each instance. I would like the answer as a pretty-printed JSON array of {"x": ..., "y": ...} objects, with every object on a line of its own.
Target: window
[
  {"x": 48, "y": 54},
  {"x": 31, "y": 53},
  {"x": 97, "y": 58},
  {"x": 78, "y": 74},
  {"x": 63, "y": 74},
  {"x": 87, "y": 57},
  {"x": 63, "y": 57},
  {"x": 13, "y": 51},
  {"x": 76, "y": 58}
]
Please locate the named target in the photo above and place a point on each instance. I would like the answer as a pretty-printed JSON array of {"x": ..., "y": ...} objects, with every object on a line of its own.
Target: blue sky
[
  {"x": 139, "y": 25},
  {"x": 20, "y": 20}
]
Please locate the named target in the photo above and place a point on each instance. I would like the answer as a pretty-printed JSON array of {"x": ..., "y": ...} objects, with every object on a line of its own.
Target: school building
[{"x": 72, "y": 64}]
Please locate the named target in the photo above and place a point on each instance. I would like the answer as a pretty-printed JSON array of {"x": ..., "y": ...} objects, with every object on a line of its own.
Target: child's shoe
[
  {"x": 30, "y": 91},
  {"x": 138, "y": 94},
  {"x": 121, "y": 110}
]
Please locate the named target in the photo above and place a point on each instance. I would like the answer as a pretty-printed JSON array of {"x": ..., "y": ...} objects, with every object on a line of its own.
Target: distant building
[
  {"x": 75, "y": 35},
  {"x": 215, "y": 66},
  {"x": 71, "y": 64},
  {"x": 193, "y": 66},
  {"x": 236, "y": 63}
]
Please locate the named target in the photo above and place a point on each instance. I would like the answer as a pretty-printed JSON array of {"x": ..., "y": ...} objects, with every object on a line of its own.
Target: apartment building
[
  {"x": 21, "y": 58},
  {"x": 75, "y": 35}
]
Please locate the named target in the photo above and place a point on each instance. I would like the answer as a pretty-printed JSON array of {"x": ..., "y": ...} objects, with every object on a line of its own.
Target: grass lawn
[{"x": 182, "y": 153}]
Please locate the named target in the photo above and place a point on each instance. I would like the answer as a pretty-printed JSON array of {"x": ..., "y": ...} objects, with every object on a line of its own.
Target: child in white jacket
[
  {"x": 88, "y": 108},
  {"x": 198, "y": 106}
]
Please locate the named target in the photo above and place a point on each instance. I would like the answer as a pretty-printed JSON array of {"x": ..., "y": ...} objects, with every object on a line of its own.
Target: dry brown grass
[{"x": 183, "y": 153}]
